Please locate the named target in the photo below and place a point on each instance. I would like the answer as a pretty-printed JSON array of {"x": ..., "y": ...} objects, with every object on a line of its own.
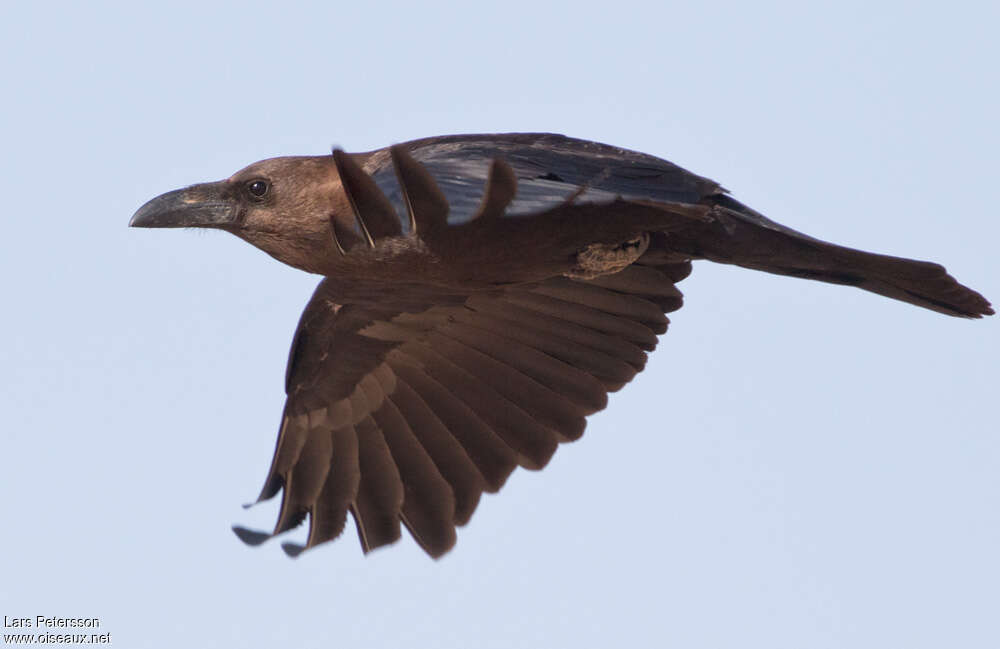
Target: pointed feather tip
[
  {"x": 293, "y": 550},
  {"x": 501, "y": 187},
  {"x": 272, "y": 486},
  {"x": 267, "y": 492},
  {"x": 426, "y": 204},
  {"x": 254, "y": 503},
  {"x": 983, "y": 307},
  {"x": 253, "y": 538}
]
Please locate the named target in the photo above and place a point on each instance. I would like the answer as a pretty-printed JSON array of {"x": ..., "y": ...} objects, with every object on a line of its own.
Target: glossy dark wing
[
  {"x": 408, "y": 413},
  {"x": 549, "y": 169},
  {"x": 552, "y": 171}
]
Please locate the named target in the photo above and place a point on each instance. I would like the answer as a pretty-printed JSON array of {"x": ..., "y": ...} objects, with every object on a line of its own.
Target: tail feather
[
  {"x": 922, "y": 283},
  {"x": 741, "y": 236}
]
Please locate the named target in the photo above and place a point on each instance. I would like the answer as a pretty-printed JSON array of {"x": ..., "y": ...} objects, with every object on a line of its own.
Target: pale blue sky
[{"x": 801, "y": 465}]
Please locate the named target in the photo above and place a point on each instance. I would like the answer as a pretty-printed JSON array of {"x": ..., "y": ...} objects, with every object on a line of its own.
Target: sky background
[{"x": 801, "y": 465}]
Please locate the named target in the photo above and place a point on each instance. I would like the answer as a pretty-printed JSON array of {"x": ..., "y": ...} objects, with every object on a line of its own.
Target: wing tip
[
  {"x": 293, "y": 550},
  {"x": 253, "y": 538}
]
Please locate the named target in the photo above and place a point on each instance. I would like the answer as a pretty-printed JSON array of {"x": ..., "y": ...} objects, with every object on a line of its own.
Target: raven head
[{"x": 281, "y": 205}]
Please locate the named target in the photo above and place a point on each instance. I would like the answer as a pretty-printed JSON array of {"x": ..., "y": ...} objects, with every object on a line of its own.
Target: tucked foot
[{"x": 608, "y": 258}]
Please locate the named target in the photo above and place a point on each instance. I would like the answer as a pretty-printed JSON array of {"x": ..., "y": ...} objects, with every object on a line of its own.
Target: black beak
[{"x": 209, "y": 205}]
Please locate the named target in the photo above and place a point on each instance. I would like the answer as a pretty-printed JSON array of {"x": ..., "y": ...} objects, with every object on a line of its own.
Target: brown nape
[{"x": 292, "y": 222}]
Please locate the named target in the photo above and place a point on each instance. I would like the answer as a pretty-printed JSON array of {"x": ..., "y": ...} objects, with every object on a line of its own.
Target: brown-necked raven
[{"x": 481, "y": 296}]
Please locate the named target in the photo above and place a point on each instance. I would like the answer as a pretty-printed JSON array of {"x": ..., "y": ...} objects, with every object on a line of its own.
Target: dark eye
[{"x": 258, "y": 188}]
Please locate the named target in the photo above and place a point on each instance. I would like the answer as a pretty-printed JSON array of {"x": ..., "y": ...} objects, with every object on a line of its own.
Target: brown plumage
[{"x": 481, "y": 296}]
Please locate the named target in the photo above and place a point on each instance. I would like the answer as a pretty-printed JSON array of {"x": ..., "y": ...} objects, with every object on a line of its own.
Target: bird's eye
[{"x": 258, "y": 188}]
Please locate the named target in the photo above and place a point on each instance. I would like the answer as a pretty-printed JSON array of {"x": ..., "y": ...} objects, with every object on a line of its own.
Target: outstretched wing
[{"x": 408, "y": 412}]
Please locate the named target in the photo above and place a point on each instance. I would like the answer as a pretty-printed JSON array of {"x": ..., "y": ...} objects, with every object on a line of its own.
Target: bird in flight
[{"x": 481, "y": 296}]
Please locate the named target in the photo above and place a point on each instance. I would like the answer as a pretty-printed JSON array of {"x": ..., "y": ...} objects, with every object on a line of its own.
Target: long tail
[{"x": 738, "y": 235}]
